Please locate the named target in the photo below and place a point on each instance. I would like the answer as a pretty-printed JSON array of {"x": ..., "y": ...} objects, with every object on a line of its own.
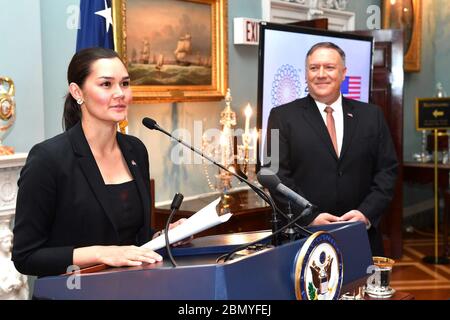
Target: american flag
[{"x": 351, "y": 87}]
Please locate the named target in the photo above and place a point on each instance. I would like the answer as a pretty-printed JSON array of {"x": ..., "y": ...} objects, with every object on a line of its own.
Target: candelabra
[
  {"x": 221, "y": 149},
  {"x": 222, "y": 146}
]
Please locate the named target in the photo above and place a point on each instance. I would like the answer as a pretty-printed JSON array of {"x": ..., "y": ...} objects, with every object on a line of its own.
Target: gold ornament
[{"x": 7, "y": 112}]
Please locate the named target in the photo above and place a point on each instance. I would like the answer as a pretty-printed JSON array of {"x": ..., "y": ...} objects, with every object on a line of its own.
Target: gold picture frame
[
  {"x": 181, "y": 68},
  {"x": 407, "y": 16}
]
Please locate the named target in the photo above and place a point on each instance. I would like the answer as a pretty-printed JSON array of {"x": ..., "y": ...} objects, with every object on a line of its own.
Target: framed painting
[
  {"x": 407, "y": 16},
  {"x": 175, "y": 50}
]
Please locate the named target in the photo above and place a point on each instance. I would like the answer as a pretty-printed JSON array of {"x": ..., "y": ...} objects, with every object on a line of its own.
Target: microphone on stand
[
  {"x": 270, "y": 180},
  {"x": 152, "y": 125},
  {"x": 176, "y": 203}
]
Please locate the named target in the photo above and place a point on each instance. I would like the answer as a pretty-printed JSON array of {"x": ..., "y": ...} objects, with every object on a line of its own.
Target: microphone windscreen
[
  {"x": 176, "y": 202},
  {"x": 150, "y": 123},
  {"x": 268, "y": 179}
]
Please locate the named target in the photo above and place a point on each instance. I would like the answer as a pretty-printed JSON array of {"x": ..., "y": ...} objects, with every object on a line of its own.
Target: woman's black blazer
[{"x": 62, "y": 202}]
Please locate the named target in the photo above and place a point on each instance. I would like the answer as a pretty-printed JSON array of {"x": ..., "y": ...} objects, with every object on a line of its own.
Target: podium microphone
[
  {"x": 271, "y": 181},
  {"x": 176, "y": 204},
  {"x": 152, "y": 125}
]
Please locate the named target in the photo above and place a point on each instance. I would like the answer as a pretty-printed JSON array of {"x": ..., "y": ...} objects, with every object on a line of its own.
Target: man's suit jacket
[
  {"x": 63, "y": 203},
  {"x": 362, "y": 178}
]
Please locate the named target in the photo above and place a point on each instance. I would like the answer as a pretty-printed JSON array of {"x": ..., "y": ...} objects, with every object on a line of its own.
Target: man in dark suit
[{"x": 336, "y": 152}]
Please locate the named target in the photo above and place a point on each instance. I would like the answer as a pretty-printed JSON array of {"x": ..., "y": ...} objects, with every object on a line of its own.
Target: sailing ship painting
[
  {"x": 145, "y": 52},
  {"x": 183, "y": 49},
  {"x": 160, "y": 62},
  {"x": 176, "y": 52}
]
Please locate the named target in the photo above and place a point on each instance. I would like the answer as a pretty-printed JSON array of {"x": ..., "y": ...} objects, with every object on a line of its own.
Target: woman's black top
[{"x": 129, "y": 219}]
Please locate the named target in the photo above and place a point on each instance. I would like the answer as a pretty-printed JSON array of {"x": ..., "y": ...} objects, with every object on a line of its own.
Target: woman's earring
[{"x": 80, "y": 101}]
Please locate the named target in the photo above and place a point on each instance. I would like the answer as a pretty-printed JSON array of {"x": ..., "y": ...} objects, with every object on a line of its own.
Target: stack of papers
[{"x": 204, "y": 219}]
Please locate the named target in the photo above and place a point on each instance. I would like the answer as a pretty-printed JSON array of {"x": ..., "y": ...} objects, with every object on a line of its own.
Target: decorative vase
[{"x": 7, "y": 112}]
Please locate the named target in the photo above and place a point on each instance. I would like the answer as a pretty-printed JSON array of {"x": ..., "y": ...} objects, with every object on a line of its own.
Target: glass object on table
[
  {"x": 440, "y": 92},
  {"x": 424, "y": 155},
  {"x": 378, "y": 285}
]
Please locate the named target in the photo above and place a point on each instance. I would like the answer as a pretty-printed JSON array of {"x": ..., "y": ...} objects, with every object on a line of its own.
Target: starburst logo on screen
[{"x": 286, "y": 85}]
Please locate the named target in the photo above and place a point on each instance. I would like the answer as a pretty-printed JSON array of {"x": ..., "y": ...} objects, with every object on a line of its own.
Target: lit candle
[{"x": 248, "y": 113}]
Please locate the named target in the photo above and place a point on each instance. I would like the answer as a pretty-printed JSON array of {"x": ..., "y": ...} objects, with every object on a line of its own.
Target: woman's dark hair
[{"x": 79, "y": 69}]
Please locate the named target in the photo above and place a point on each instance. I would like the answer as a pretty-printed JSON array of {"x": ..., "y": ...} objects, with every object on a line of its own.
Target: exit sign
[{"x": 246, "y": 31}]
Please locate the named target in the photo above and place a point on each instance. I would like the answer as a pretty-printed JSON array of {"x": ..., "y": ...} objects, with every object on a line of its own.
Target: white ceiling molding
[{"x": 291, "y": 11}]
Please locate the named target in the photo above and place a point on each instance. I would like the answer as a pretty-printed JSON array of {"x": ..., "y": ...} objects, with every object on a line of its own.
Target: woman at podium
[{"x": 84, "y": 195}]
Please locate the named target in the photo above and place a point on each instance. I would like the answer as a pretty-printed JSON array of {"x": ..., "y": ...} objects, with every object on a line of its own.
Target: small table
[{"x": 423, "y": 173}]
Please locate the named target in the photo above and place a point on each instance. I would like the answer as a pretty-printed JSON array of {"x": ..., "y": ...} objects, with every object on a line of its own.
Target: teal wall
[
  {"x": 243, "y": 59},
  {"x": 37, "y": 66},
  {"x": 58, "y": 45},
  {"x": 360, "y": 8},
  {"x": 441, "y": 42},
  {"x": 421, "y": 84},
  {"x": 435, "y": 67},
  {"x": 21, "y": 60}
]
